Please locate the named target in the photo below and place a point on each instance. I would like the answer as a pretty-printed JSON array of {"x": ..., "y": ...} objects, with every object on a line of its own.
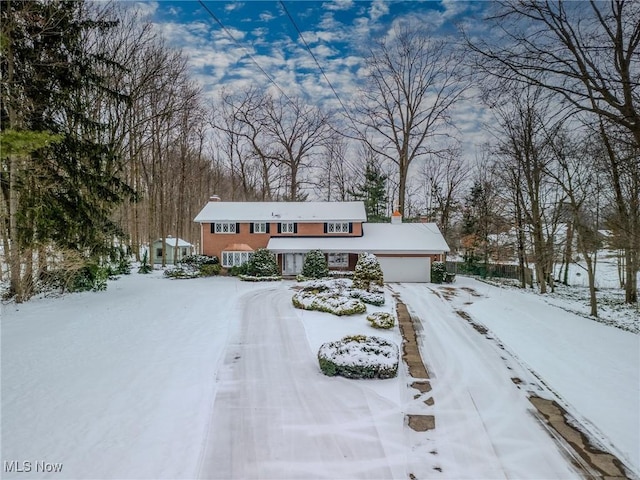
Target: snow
[
  {"x": 407, "y": 238},
  {"x": 595, "y": 369},
  {"x": 218, "y": 378},
  {"x": 282, "y": 212}
]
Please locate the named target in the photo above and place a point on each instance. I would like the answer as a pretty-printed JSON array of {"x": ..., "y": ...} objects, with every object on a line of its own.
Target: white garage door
[{"x": 406, "y": 269}]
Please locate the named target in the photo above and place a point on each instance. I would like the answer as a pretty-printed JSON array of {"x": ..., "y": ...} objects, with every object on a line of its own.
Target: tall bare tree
[
  {"x": 412, "y": 85},
  {"x": 588, "y": 53}
]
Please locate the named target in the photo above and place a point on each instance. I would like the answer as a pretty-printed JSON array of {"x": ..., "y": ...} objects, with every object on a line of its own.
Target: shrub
[
  {"x": 438, "y": 272},
  {"x": 262, "y": 264},
  {"x": 238, "y": 270},
  {"x": 329, "y": 301},
  {"x": 200, "y": 260},
  {"x": 367, "y": 272},
  {"x": 249, "y": 278},
  {"x": 209, "y": 270},
  {"x": 359, "y": 356},
  {"x": 90, "y": 277},
  {"x": 194, "y": 266},
  {"x": 372, "y": 298},
  {"x": 383, "y": 320},
  {"x": 315, "y": 265}
]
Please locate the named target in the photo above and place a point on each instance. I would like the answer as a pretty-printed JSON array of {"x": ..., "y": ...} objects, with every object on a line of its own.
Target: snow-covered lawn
[{"x": 217, "y": 378}]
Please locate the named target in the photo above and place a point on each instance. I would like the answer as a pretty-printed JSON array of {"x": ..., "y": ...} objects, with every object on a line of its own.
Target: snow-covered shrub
[
  {"x": 182, "y": 271},
  {"x": 381, "y": 320},
  {"x": 262, "y": 264},
  {"x": 200, "y": 260},
  {"x": 367, "y": 272},
  {"x": 372, "y": 298},
  {"x": 438, "y": 272},
  {"x": 249, "y": 278},
  {"x": 341, "y": 273},
  {"x": 315, "y": 265},
  {"x": 194, "y": 266},
  {"x": 327, "y": 300},
  {"x": 359, "y": 356}
]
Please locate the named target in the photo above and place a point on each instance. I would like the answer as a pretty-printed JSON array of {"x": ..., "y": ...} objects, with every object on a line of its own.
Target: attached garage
[
  {"x": 405, "y": 269},
  {"x": 405, "y": 251}
]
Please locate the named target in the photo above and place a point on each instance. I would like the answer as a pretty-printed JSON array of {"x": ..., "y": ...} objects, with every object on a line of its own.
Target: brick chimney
[
  {"x": 214, "y": 198},
  {"x": 396, "y": 218}
]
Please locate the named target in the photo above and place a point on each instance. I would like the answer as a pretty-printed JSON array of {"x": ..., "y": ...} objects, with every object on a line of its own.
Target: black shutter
[
  {"x": 213, "y": 228},
  {"x": 279, "y": 228},
  {"x": 251, "y": 227},
  {"x": 267, "y": 229},
  {"x": 237, "y": 228},
  {"x": 295, "y": 228},
  {"x": 350, "y": 227},
  {"x": 325, "y": 227}
]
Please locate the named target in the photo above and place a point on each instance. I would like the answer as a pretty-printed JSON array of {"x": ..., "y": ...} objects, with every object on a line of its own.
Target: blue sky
[{"x": 339, "y": 32}]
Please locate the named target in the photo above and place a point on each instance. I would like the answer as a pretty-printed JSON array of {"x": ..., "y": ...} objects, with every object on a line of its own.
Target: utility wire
[
  {"x": 315, "y": 59},
  {"x": 230, "y": 35},
  {"x": 318, "y": 64}
]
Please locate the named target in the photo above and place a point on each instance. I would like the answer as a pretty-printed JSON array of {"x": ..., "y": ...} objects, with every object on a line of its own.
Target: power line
[
  {"x": 318, "y": 64},
  {"x": 344, "y": 108},
  {"x": 230, "y": 35}
]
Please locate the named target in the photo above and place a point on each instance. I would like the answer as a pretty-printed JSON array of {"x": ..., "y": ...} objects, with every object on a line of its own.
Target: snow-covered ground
[{"x": 217, "y": 378}]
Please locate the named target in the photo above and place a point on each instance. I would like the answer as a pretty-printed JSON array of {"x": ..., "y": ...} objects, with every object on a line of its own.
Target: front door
[{"x": 292, "y": 263}]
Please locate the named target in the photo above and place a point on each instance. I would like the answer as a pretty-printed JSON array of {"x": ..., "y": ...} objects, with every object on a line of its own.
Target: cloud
[
  {"x": 338, "y": 5},
  {"x": 266, "y": 16},
  {"x": 378, "y": 9},
  {"x": 230, "y": 7}
]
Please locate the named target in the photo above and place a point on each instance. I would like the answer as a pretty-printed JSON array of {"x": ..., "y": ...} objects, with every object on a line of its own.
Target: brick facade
[{"x": 213, "y": 244}]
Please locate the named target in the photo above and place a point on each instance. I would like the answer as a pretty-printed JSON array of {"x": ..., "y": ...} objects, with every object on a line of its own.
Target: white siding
[{"x": 406, "y": 269}]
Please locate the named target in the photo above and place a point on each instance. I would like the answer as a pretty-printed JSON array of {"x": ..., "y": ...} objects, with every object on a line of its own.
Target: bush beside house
[
  {"x": 367, "y": 272},
  {"x": 315, "y": 265}
]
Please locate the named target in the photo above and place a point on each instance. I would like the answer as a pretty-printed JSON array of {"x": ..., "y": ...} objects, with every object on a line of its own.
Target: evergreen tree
[
  {"x": 372, "y": 191},
  {"x": 262, "y": 264},
  {"x": 61, "y": 192},
  {"x": 367, "y": 271},
  {"x": 315, "y": 265}
]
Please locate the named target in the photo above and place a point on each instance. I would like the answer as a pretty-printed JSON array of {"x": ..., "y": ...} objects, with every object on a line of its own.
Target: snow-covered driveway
[
  {"x": 484, "y": 424},
  {"x": 277, "y": 417},
  {"x": 217, "y": 378}
]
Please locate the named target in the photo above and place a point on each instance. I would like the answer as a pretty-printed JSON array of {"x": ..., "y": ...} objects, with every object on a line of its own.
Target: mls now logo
[{"x": 26, "y": 466}]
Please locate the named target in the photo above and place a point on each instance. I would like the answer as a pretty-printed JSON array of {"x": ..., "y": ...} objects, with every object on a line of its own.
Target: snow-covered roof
[
  {"x": 407, "y": 238},
  {"x": 282, "y": 212},
  {"x": 171, "y": 241}
]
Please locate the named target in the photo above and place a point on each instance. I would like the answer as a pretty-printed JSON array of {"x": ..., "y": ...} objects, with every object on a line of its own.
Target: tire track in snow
[
  {"x": 276, "y": 416},
  {"x": 484, "y": 426}
]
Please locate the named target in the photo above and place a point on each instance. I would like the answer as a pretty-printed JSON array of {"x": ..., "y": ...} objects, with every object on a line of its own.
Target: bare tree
[
  {"x": 444, "y": 179},
  {"x": 298, "y": 131},
  {"x": 586, "y": 52},
  {"x": 525, "y": 158},
  {"x": 413, "y": 83}
]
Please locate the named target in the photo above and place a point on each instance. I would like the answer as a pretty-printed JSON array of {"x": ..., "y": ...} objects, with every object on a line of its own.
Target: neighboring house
[
  {"x": 232, "y": 230},
  {"x": 173, "y": 253}
]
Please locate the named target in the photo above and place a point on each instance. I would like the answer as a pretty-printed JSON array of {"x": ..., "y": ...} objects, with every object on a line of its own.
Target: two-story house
[{"x": 232, "y": 230}]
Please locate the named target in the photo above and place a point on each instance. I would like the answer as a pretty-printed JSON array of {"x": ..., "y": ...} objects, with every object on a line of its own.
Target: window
[
  {"x": 159, "y": 252},
  {"x": 287, "y": 227},
  {"x": 232, "y": 259},
  {"x": 338, "y": 227},
  {"x": 338, "y": 260},
  {"x": 224, "y": 227},
  {"x": 260, "y": 228}
]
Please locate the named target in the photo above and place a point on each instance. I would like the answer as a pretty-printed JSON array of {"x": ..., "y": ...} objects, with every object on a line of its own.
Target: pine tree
[
  {"x": 373, "y": 192},
  {"x": 367, "y": 271},
  {"x": 315, "y": 265},
  {"x": 59, "y": 193}
]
